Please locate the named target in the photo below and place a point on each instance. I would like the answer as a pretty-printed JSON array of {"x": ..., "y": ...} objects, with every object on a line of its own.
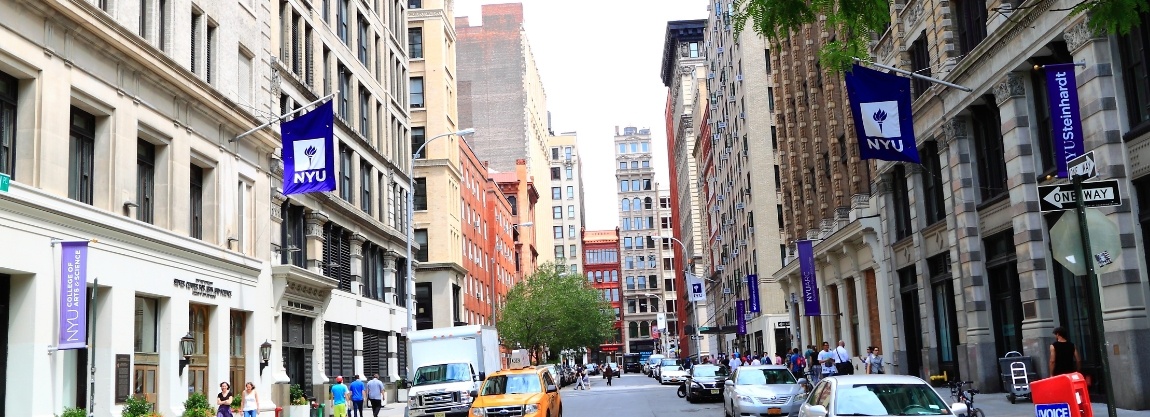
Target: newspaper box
[{"x": 1063, "y": 395}]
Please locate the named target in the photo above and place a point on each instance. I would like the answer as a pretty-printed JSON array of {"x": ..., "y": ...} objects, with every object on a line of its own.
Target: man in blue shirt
[
  {"x": 339, "y": 396},
  {"x": 356, "y": 396},
  {"x": 374, "y": 390}
]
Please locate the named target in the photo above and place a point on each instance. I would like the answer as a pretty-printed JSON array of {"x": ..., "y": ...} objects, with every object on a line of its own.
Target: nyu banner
[
  {"x": 695, "y": 289},
  {"x": 73, "y": 296},
  {"x": 753, "y": 293},
  {"x": 1062, "y": 93},
  {"x": 880, "y": 103},
  {"x": 810, "y": 285},
  {"x": 309, "y": 152},
  {"x": 741, "y": 319}
]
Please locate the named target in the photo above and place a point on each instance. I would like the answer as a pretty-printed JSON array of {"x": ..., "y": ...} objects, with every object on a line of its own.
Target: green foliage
[
  {"x": 74, "y": 412},
  {"x": 197, "y": 406},
  {"x": 237, "y": 401},
  {"x": 554, "y": 310},
  {"x": 295, "y": 392},
  {"x": 851, "y": 22},
  {"x": 134, "y": 407}
]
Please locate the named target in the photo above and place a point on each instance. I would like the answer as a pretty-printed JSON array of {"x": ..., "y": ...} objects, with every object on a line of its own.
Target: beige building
[{"x": 566, "y": 199}]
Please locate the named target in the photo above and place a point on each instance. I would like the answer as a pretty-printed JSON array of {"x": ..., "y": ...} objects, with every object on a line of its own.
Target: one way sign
[{"x": 1061, "y": 196}]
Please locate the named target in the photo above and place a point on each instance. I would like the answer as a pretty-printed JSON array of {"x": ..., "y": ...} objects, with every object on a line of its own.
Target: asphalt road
[{"x": 634, "y": 395}]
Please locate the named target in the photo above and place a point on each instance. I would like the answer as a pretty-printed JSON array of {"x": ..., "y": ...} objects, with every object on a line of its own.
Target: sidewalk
[
  {"x": 396, "y": 410},
  {"x": 996, "y": 405}
]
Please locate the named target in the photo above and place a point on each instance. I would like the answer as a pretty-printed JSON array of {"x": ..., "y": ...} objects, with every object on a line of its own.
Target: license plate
[
  {"x": 714, "y": 391},
  {"x": 774, "y": 411},
  {"x": 441, "y": 414}
]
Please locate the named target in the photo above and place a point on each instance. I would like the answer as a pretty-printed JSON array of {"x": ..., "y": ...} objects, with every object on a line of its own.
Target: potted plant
[
  {"x": 401, "y": 390},
  {"x": 135, "y": 407},
  {"x": 197, "y": 406},
  {"x": 299, "y": 405},
  {"x": 74, "y": 412},
  {"x": 237, "y": 404}
]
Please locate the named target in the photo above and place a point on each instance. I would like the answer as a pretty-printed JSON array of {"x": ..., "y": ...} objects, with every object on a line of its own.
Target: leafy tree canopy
[
  {"x": 854, "y": 20},
  {"x": 554, "y": 310}
]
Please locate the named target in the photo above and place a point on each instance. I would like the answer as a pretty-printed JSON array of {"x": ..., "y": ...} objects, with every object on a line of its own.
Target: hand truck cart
[{"x": 1016, "y": 372}]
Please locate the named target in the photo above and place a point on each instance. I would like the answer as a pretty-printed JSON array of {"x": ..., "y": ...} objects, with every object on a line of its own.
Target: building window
[
  {"x": 339, "y": 348},
  {"x": 567, "y": 151},
  {"x": 570, "y": 212},
  {"x": 557, "y": 232},
  {"x": 556, "y": 193},
  {"x": 414, "y": 4},
  {"x": 196, "y": 202},
  {"x": 1005, "y": 294},
  {"x": 365, "y": 113},
  {"x": 293, "y": 235},
  {"x": 145, "y": 181},
  {"x": 417, "y": 92},
  {"x": 345, "y": 174},
  {"x": 344, "y": 93},
  {"x": 415, "y": 42},
  {"x": 945, "y": 318},
  {"x": 238, "y": 325},
  {"x": 989, "y": 150},
  {"x": 199, "y": 318},
  {"x": 557, "y": 212},
  {"x": 417, "y": 141},
  {"x": 570, "y": 192},
  {"x": 1134, "y": 48},
  {"x": 900, "y": 197},
  {"x": 337, "y": 255},
  {"x": 341, "y": 25},
  {"x": 559, "y": 248},
  {"x": 570, "y": 173},
  {"x": 920, "y": 63},
  {"x": 420, "y": 198},
  {"x": 8, "y": 99},
  {"x": 365, "y": 174},
  {"x": 624, "y": 186},
  {"x": 571, "y": 231},
  {"x": 373, "y": 273},
  {"x": 932, "y": 187},
  {"x": 421, "y": 240},
  {"x": 364, "y": 30},
  {"x": 554, "y": 154},
  {"x": 197, "y": 38},
  {"x": 81, "y": 159},
  {"x": 210, "y": 54},
  {"x": 912, "y": 318},
  {"x": 971, "y": 24}
]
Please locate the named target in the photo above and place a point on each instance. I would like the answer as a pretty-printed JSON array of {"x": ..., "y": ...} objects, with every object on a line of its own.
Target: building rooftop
[{"x": 600, "y": 236}]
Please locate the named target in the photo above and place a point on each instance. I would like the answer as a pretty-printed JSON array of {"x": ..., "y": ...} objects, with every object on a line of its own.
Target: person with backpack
[{"x": 797, "y": 363}]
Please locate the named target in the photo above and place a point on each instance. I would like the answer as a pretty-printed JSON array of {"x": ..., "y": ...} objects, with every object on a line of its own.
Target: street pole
[
  {"x": 694, "y": 304},
  {"x": 1095, "y": 297}
]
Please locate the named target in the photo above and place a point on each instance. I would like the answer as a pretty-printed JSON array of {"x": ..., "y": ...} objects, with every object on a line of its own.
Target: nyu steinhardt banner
[
  {"x": 810, "y": 285},
  {"x": 73, "y": 296},
  {"x": 753, "y": 293},
  {"x": 1062, "y": 93},
  {"x": 309, "y": 152},
  {"x": 880, "y": 103},
  {"x": 741, "y": 320}
]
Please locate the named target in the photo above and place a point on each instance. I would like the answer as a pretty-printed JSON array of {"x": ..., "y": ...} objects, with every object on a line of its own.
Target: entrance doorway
[{"x": 5, "y": 290}]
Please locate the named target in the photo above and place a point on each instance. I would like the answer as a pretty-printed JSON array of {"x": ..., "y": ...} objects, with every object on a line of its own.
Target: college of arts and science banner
[
  {"x": 1062, "y": 93},
  {"x": 741, "y": 319},
  {"x": 753, "y": 293},
  {"x": 309, "y": 152},
  {"x": 810, "y": 284},
  {"x": 880, "y": 104},
  {"x": 696, "y": 292},
  {"x": 73, "y": 296}
]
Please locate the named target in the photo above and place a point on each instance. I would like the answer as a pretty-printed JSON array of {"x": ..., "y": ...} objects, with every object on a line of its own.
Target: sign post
[
  {"x": 1094, "y": 194},
  {"x": 1095, "y": 296}
]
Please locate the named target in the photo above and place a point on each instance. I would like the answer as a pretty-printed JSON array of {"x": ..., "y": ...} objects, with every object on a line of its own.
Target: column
[
  {"x": 315, "y": 240},
  {"x": 389, "y": 276},
  {"x": 357, "y": 268}
]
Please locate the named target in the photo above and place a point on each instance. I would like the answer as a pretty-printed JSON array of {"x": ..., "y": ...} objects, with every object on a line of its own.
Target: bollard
[{"x": 279, "y": 411}]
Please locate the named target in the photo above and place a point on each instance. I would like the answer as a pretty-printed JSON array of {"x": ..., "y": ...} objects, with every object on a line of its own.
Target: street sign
[
  {"x": 696, "y": 337},
  {"x": 4, "y": 181},
  {"x": 1084, "y": 165},
  {"x": 1061, "y": 196},
  {"x": 704, "y": 328}
]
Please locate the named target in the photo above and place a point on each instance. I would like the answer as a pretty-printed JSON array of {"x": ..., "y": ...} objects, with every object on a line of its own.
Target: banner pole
[
  {"x": 1095, "y": 297},
  {"x": 283, "y": 116},
  {"x": 92, "y": 349},
  {"x": 914, "y": 75}
]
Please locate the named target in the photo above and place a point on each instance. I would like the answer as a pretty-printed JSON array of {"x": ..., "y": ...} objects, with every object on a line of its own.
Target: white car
[
  {"x": 876, "y": 395},
  {"x": 672, "y": 374}
]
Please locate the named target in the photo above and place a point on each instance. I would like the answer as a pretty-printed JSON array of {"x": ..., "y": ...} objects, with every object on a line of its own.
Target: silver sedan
[
  {"x": 876, "y": 395},
  {"x": 767, "y": 390}
]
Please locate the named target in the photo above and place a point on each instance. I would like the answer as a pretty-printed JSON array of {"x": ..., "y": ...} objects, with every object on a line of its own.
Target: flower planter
[
  {"x": 401, "y": 395},
  {"x": 299, "y": 410}
]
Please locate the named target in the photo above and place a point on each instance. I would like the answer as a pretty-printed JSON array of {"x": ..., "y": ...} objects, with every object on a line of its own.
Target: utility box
[{"x": 1063, "y": 395}]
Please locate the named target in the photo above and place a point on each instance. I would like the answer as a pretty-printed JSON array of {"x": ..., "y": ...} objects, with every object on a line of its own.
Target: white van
[{"x": 651, "y": 363}]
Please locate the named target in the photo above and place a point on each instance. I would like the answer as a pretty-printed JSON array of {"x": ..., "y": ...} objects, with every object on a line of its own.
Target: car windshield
[
  {"x": 672, "y": 368},
  {"x": 511, "y": 384},
  {"x": 669, "y": 362},
  {"x": 888, "y": 399},
  {"x": 708, "y": 371},
  {"x": 765, "y": 377},
  {"x": 441, "y": 373}
]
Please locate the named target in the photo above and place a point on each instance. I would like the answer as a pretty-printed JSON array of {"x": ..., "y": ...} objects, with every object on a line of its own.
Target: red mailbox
[{"x": 1063, "y": 395}]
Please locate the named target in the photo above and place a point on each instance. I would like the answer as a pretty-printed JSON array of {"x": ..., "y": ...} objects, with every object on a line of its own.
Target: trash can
[{"x": 1063, "y": 395}]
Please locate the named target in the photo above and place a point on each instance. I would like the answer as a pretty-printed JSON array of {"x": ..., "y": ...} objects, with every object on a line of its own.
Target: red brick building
[
  {"x": 519, "y": 188},
  {"x": 487, "y": 225},
  {"x": 601, "y": 263}
]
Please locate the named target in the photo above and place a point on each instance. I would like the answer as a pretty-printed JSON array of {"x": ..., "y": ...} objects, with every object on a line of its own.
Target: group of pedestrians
[
  {"x": 356, "y": 393},
  {"x": 249, "y": 401},
  {"x": 830, "y": 362}
]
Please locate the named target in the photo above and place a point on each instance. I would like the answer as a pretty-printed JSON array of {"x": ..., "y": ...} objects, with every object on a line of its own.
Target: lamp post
[
  {"x": 410, "y": 284},
  {"x": 694, "y": 307}
]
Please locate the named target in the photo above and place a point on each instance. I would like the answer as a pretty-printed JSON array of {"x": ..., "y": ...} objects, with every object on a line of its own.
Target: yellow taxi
[{"x": 521, "y": 390}]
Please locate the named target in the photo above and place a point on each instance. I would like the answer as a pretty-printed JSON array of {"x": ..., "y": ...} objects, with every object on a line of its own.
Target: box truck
[{"x": 449, "y": 363}]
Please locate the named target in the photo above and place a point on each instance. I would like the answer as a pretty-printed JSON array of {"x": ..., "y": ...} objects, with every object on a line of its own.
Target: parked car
[
  {"x": 651, "y": 363},
  {"x": 655, "y": 372},
  {"x": 764, "y": 389},
  {"x": 875, "y": 395},
  {"x": 672, "y": 374},
  {"x": 592, "y": 369},
  {"x": 705, "y": 381}
]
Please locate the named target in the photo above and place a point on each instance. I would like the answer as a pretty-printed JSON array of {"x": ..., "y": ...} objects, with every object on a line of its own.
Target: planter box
[
  {"x": 401, "y": 395},
  {"x": 298, "y": 410}
]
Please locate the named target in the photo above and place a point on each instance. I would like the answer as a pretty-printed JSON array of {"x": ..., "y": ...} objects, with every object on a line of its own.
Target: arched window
[
  {"x": 633, "y": 329},
  {"x": 514, "y": 207},
  {"x": 626, "y": 204},
  {"x": 647, "y": 203},
  {"x": 637, "y": 204},
  {"x": 614, "y": 276},
  {"x": 644, "y": 329}
]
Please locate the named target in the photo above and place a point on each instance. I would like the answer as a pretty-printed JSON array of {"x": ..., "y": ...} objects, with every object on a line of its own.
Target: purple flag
[
  {"x": 741, "y": 319},
  {"x": 309, "y": 152},
  {"x": 73, "y": 295},
  {"x": 880, "y": 104},
  {"x": 1062, "y": 93},
  {"x": 753, "y": 293},
  {"x": 810, "y": 285}
]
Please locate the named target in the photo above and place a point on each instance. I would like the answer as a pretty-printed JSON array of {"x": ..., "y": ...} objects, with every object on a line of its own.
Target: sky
[{"x": 600, "y": 61}]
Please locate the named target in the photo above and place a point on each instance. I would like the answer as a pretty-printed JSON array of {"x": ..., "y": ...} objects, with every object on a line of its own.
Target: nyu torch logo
[
  {"x": 310, "y": 160},
  {"x": 880, "y": 123}
]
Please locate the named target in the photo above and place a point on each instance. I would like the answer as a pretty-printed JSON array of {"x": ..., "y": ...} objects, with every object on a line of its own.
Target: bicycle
[{"x": 965, "y": 396}]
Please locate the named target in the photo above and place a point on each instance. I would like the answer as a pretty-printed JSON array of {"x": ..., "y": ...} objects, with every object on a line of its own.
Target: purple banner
[
  {"x": 309, "y": 152},
  {"x": 753, "y": 293},
  {"x": 1062, "y": 93},
  {"x": 810, "y": 285},
  {"x": 741, "y": 319},
  {"x": 73, "y": 296},
  {"x": 880, "y": 104}
]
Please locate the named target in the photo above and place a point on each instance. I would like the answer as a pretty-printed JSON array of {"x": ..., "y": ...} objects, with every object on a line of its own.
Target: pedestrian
[
  {"x": 812, "y": 357},
  {"x": 581, "y": 379},
  {"x": 778, "y": 358},
  {"x": 827, "y": 360},
  {"x": 866, "y": 359},
  {"x": 843, "y": 360},
  {"x": 339, "y": 397},
  {"x": 251, "y": 401},
  {"x": 356, "y": 388},
  {"x": 874, "y": 361},
  {"x": 608, "y": 373},
  {"x": 374, "y": 390},
  {"x": 224, "y": 400},
  {"x": 796, "y": 363},
  {"x": 1064, "y": 357}
]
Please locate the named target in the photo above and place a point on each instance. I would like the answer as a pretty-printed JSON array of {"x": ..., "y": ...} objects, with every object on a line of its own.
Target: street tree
[
  {"x": 554, "y": 310},
  {"x": 853, "y": 21}
]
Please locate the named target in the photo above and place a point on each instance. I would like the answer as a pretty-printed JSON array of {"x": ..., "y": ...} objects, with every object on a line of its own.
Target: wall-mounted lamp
[
  {"x": 230, "y": 240},
  {"x": 291, "y": 248},
  {"x": 129, "y": 204},
  {"x": 265, "y": 355},
  {"x": 187, "y": 343}
]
